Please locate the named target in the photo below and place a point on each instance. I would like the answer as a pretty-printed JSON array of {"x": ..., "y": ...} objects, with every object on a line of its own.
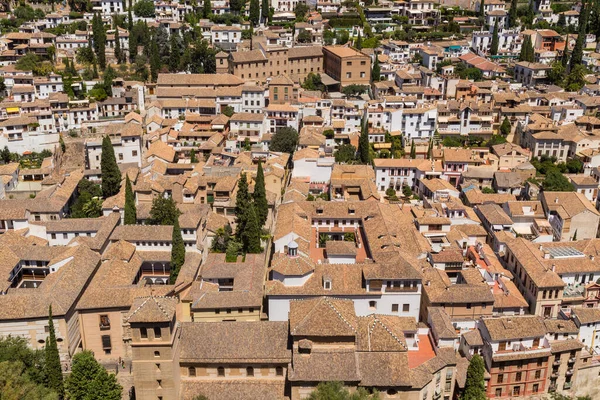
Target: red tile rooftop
[{"x": 424, "y": 354}]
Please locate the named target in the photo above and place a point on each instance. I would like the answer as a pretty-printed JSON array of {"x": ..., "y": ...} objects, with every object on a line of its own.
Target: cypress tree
[
  {"x": 512, "y": 14},
  {"x": 413, "y": 150},
  {"x": 193, "y": 158},
  {"x": 111, "y": 176},
  {"x": 577, "y": 54},
  {"x": 364, "y": 148},
  {"x": 175, "y": 58},
  {"x": 130, "y": 208},
  {"x": 154, "y": 60},
  {"x": 118, "y": 52},
  {"x": 52, "y": 367},
  {"x": 505, "y": 128},
  {"x": 264, "y": 9},
  {"x": 376, "y": 72},
  {"x": 482, "y": 10},
  {"x": 260, "y": 196},
  {"x": 430, "y": 149},
  {"x": 206, "y": 8},
  {"x": 527, "y": 53},
  {"x": 495, "y": 40},
  {"x": 565, "y": 57},
  {"x": 254, "y": 13},
  {"x": 242, "y": 203},
  {"x": 129, "y": 20},
  {"x": 251, "y": 234},
  {"x": 358, "y": 44},
  {"x": 475, "y": 385},
  {"x": 177, "y": 253}
]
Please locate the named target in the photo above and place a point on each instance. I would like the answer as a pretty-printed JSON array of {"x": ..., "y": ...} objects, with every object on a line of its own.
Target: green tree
[
  {"x": 99, "y": 35},
  {"x": 164, "y": 211},
  {"x": 206, "y": 8},
  {"x": 482, "y": 10},
  {"x": 475, "y": 384},
  {"x": 176, "y": 49},
  {"x": 193, "y": 158},
  {"x": 264, "y": 10},
  {"x": 15, "y": 384},
  {"x": 111, "y": 175},
  {"x": 53, "y": 369},
  {"x": 391, "y": 194},
  {"x": 304, "y": 36},
  {"x": 5, "y": 155},
  {"x": 413, "y": 150},
  {"x": 556, "y": 182},
  {"x": 575, "y": 80},
  {"x": 130, "y": 217},
  {"x": 345, "y": 153},
  {"x": 144, "y": 9},
  {"x": 260, "y": 196},
  {"x": 155, "y": 62},
  {"x": 406, "y": 191},
  {"x": 84, "y": 369},
  {"x": 104, "y": 387},
  {"x": 119, "y": 55},
  {"x": 301, "y": 10},
  {"x": 354, "y": 90},
  {"x": 251, "y": 233},
  {"x": 221, "y": 239},
  {"x": 364, "y": 147},
  {"x": 358, "y": 43},
  {"x": 430, "y": 149},
  {"x": 512, "y": 14},
  {"x": 527, "y": 53},
  {"x": 495, "y": 39},
  {"x": 557, "y": 73},
  {"x": 16, "y": 349},
  {"x": 505, "y": 128},
  {"x": 177, "y": 253},
  {"x": 337, "y": 391},
  {"x": 242, "y": 203},
  {"x": 577, "y": 54},
  {"x": 564, "y": 61},
  {"x": 233, "y": 249},
  {"x": 228, "y": 111},
  {"x": 376, "y": 71},
  {"x": 313, "y": 82},
  {"x": 284, "y": 140},
  {"x": 254, "y": 12}
]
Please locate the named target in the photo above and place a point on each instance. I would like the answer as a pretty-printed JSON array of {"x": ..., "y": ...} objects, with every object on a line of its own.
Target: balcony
[
  {"x": 552, "y": 388},
  {"x": 567, "y": 385},
  {"x": 571, "y": 360},
  {"x": 556, "y": 363},
  {"x": 570, "y": 372}
]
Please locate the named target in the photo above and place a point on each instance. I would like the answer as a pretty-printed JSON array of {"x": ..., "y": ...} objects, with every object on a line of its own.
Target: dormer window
[
  {"x": 319, "y": 211},
  {"x": 327, "y": 284},
  {"x": 292, "y": 249}
]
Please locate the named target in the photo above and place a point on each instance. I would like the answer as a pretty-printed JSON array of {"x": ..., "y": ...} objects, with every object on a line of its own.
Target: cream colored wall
[
  {"x": 210, "y": 316},
  {"x": 34, "y": 331},
  {"x": 92, "y": 334}
]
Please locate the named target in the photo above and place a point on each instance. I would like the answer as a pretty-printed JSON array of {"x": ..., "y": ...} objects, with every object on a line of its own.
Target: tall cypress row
[
  {"x": 242, "y": 202},
  {"x": 177, "y": 253},
  {"x": 111, "y": 176},
  {"x": 52, "y": 367},
  {"x": 130, "y": 208},
  {"x": 260, "y": 196}
]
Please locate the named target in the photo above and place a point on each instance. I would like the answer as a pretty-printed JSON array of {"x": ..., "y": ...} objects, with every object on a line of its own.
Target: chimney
[
  {"x": 592, "y": 257},
  {"x": 556, "y": 200},
  {"x": 553, "y": 267},
  {"x": 428, "y": 283}
]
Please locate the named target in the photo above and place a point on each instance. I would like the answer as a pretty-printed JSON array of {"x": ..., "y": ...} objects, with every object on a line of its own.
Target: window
[
  {"x": 157, "y": 333},
  {"x": 279, "y": 371},
  {"x": 192, "y": 371},
  {"x": 120, "y": 156},
  {"x": 65, "y": 236},
  {"x": 106, "y": 342},
  {"x": 157, "y": 354},
  {"x": 538, "y": 374},
  {"x": 499, "y": 392},
  {"x": 327, "y": 284},
  {"x": 500, "y": 378},
  {"x": 372, "y": 304},
  {"x": 250, "y": 371},
  {"x": 134, "y": 153},
  {"x": 159, "y": 382},
  {"x": 104, "y": 322},
  {"x": 516, "y": 391},
  {"x": 53, "y": 236},
  {"x": 536, "y": 388},
  {"x": 468, "y": 306},
  {"x": 394, "y": 307},
  {"x": 405, "y": 307},
  {"x": 518, "y": 376},
  {"x": 144, "y": 333},
  {"x": 221, "y": 371}
]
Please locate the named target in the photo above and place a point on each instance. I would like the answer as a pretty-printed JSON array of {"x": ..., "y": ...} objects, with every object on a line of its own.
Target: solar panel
[{"x": 564, "y": 252}]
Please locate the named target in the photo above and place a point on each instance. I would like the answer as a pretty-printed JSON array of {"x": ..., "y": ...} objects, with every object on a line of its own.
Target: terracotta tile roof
[
  {"x": 235, "y": 389},
  {"x": 514, "y": 328},
  {"x": 239, "y": 342},
  {"x": 152, "y": 309},
  {"x": 586, "y": 315},
  {"x": 323, "y": 317}
]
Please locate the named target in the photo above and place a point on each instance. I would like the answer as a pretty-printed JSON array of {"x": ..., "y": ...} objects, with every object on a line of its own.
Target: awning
[
  {"x": 11, "y": 110},
  {"x": 328, "y": 81}
]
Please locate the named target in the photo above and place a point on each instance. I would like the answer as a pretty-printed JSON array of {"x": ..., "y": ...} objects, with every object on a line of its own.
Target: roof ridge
[{"x": 388, "y": 330}]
